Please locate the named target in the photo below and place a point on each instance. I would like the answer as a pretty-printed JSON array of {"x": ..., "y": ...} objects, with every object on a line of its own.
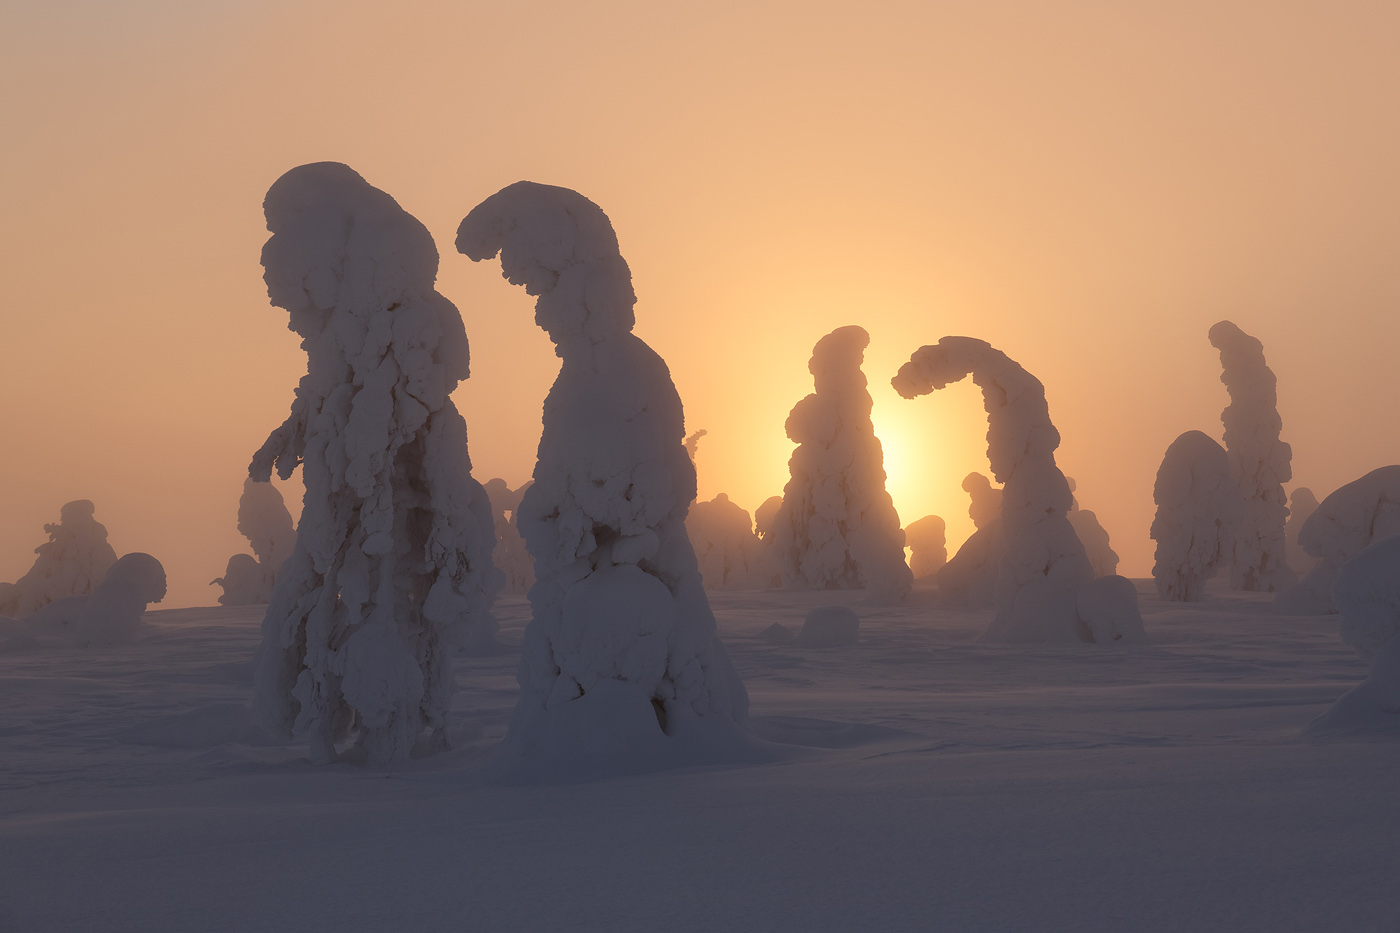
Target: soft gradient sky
[{"x": 1088, "y": 186}]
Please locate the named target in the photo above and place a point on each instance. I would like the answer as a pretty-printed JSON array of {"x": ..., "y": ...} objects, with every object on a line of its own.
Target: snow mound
[
  {"x": 829, "y": 627},
  {"x": 778, "y": 633},
  {"x": 1108, "y": 608},
  {"x": 70, "y": 563},
  {"x": 927, "y": 539},
  {"x": 1198, "y": 507},
  {"x": 621, "y": 669},
  {"x": 837, "y": 527},
  {"x": 392, "y": 561}
]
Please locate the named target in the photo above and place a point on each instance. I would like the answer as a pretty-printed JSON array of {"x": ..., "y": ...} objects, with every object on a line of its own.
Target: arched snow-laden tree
[
  {"x": 928, "y": 545},
  {"x": 71, "y": 563},
  {"x": 510, "y": 556},
  {"x": 264, "y": 520},
  {"x": 1198, "y": 506},
  {"x": 1044, "y": 565},
  {"x": 837, "y": 527},
  {"x": 1260, "y": 462},
  {"x": 1343, "y": 525},
  {"x": 622, "y": 669},
  {"x": 392, "y": 563}
]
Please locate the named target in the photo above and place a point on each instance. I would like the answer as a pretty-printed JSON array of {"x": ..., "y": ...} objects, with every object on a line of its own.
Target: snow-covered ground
[{"x": 923, "y": 782}]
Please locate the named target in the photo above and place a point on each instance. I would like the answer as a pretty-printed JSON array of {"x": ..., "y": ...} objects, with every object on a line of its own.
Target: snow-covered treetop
[{"x": 562, "y": 248}]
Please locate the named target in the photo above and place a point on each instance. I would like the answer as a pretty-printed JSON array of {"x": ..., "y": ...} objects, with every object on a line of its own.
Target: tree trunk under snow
[{"x": 392, "y": 562}]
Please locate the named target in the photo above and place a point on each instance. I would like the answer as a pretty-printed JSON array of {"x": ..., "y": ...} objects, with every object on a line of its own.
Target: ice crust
[
  {"x": 1198, "y": 508},
  {"x": 622, "y": 670},
  {"x": 1044, "y": 565},
  {"x": 71, "y": 563},
  {"x": 729, "y": 553},
  {"x": 264, "y": 520},
  {"x": 511, "y": 556},
  {"x": 1260, "y": 462},
  {"x": 392, "y": 562},
  {"x": 927, "y": 539},
  {"x": 837, "y": 527}
]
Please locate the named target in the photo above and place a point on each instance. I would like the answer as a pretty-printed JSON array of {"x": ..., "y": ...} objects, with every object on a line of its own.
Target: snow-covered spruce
[
  {"x": 392, "y": 563},
  {"x": 511, "y": 557},
  {"x": 837, "y": 527},
  {"x": 112, "y": 613},
  {"x": 927, "y": 539},
  {"x": 729, "y": 553},
  {"x": 1367, "y": 593},
  {"x": 1343, "y": 525},
  {"x": 1302, "y": 502},
  {"x": 1198, "y": 507},
  {"x": 71, "y": 563},
  {"x": 969, "y": 578},
  {"x": 1093, "y": 536},
  {"x": 765, "y": 515},
  {"x": 1044, "y": 565},
  {"x": 622, "y": 669},
  {"x": 1259, "y": 461},
  {"x": 264, "y": 520}
]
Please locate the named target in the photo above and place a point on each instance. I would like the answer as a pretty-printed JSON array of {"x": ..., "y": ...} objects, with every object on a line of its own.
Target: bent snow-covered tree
[
  {"x": 1198, "y": 506},
  {"x": 621, "y": 669},
  {"x": 837, "y": 527},
  {"x": 392, "y": 562},
  {"x": 264, "y": 520},
  {"x": 1044, "y": 566},
  {"x": 1260, "y": 462},
  {"x": 71, "y": 563}
]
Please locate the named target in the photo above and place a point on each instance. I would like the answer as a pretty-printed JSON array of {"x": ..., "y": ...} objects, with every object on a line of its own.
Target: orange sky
[{"x": 1088, "y": 186}]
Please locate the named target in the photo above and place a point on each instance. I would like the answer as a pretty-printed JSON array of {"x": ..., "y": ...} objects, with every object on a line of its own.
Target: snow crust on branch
[
  {"x": 622, "y": 669},
  {"x": 392, "y": 562},
  {"x": 264, "y": 520},
  {"x": 837, "y": 527},
  {"x": 1260, "y": 461},
  {"x": 927, "y": 539},
  {"x": 1198, "y": 507},
  {"x": 1044, "y": 566},
  {"x": 729, "y": 553},
  {"x": 71, "y": 563},
  {"x": 1341, "y": 527},
  {"x": 511, "y": 557}
]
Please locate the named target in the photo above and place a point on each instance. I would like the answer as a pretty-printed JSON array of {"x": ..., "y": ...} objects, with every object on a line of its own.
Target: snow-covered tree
[
  {"x": 969, "y": 578},
  {"x": 71, "y": 563},
  {"x": 112, "y": 612},
  {"x": 1198, "y": 506},
  {"x": 264, "y": 520},
  {"x": 511, "y": 557},
  {"x": 1301, "y": 504},
  {"x": 1044, "y": 565},
  {"x": 392, "y": 563},
  {"x": 622, "y": 668},
  {"x": 765, "y": 515},
  {"x": 837, "y": 527},
  {"x": 1093, "y": 536},
  {"x": 927, "y": 539},
  {"x": 1261, "y": 463},
  {"x": 729, "y": 553}
]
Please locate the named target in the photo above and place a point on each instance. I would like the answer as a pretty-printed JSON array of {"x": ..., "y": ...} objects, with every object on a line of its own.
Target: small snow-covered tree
[
  {"x": 71, "y": 563},
  {"x": 392, "y": 563},
  {"x": 112, "y": 612},
  {"x": 765, "y": 515},
  {"x": 1198, "y": 506},
  {"x": 1302, "y": 502},
  {"x": 1093, "y": 536},
  {"x": 622, "y": 668},
  {"x": 511, "y": 557},
  {"x": 264, "y": 520},
  {"x": 1261, "y": 463},
  {"x": 837, "y": 527},
  {"x": 729, "y": 553},
  {"x": 969, "y": 578},
  {"x": 928, "y": 545},
  {"x": 1044, "y": 566}
]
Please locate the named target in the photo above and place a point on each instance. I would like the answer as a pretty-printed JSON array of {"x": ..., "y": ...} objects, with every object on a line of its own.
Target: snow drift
[
  {"x": 837, "y": 527},
  {"x": 71, "y": 563},
  {"x": 622, "y": 670},
  {"x": 1198, "y": 507},
  {"x": 1044, "y": 566},
  {"x": 264, "y": 520},
  {"x": 392, "y": 562}
]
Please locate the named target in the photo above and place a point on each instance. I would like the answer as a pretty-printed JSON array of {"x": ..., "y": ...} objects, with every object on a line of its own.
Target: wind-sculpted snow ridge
[
  {"x": 1093, "y": 536},
  {"x": 511, "y": 557},
  {"x": 927, "y": 539},
  {"x": 1367, "y": 593},
  {"x": 1044, "y": 566},
  {"x": 729, "y": 553},
  {"x": 1302, "y": 502},
  {"x": 1261, "y": 463},
  {"x": 622, "y": 670},
  {"x": 1341, "y": 527},
  {"x": 71, "y": 563},
  {"x": 837, "y": 527},
  {"x": 112, "y": 613},
  {"x": 1198, "y": 508},
  {"x": 392, "y": 563},
  {"x": 264, "y": 520}
]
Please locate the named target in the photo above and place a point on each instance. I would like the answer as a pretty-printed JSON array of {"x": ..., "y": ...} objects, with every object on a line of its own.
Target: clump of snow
[
  {"x": 1343, "y": 525},
  {"x": 729, "y": 553},
  {"x": 264, "y": 520},
  {"x": 71, "y": 563},
  {"x": 621, "y": 669},
  {"x": 392, "y": 563},
  {"x": 837, "y": 527},
  {"x": 829, "y": 627},
  {"x": 1043, "y": 564},
  {"x": 927, "y": 539},
  {"x": 1093, "y": 536},
  {"x": 1301, "y": 504},
  {"x": 511, "y": 556},
  {"x": 1260, "y": 462},
  {"x": 1198, "y": 507},
  {"x": 778, "y": 633},
  {"x": 970, "y": 577}
]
